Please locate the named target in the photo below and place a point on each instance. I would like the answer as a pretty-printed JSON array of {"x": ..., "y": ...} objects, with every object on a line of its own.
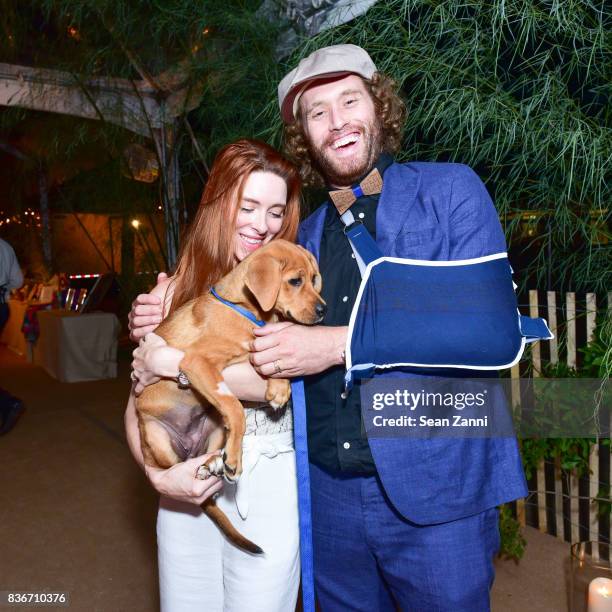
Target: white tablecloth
[
  {"x": 77, "y": 347},
  {"x": 11, "y": 334}
]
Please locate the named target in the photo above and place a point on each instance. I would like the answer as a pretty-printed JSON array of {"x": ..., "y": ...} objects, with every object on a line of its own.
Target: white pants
[{"x": 199, "y": 570}]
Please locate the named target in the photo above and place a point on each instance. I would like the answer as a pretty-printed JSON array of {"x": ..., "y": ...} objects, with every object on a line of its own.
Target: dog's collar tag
[{"x": 239, "y": 309}]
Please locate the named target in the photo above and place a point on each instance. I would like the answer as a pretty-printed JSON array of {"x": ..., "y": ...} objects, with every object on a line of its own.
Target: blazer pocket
[{"x": 426, "y": 243}]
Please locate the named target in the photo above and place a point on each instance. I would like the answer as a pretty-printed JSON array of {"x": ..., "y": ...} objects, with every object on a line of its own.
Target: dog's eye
[{"x": 295, "y": 282}]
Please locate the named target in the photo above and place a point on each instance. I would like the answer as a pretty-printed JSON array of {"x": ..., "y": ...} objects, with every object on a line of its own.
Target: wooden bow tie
[{"x": 343, "y": 198}]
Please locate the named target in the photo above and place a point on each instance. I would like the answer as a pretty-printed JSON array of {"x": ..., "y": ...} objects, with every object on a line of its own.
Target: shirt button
[
  {"x": 344, "y": 395},
  {"x": 346, "y": 445},
  {"x": 353, "y": 255},
  {"x": 361, "y": 215},
  {"x": 345, "y": 298}
]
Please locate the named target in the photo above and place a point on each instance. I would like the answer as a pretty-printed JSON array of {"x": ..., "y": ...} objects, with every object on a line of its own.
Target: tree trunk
[
  {"x": 44, "y": 217},
  {"x": 168, "y": 154}
]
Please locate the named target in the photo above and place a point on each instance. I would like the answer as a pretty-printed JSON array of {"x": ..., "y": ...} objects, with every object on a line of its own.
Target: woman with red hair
[{"x": 251, "y": 197}]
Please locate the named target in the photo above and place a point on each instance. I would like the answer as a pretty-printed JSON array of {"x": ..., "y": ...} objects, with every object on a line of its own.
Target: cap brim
[{"x": 299, "y": 88}]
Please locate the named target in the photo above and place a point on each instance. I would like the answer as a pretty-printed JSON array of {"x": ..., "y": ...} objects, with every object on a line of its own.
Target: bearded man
[{"x": 396, "y": 522}]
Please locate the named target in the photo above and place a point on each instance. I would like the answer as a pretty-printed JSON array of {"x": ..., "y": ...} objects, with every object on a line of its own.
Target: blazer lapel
[
  {"x": 311, "y": 231},
  {"x": 400, "y": 186}
]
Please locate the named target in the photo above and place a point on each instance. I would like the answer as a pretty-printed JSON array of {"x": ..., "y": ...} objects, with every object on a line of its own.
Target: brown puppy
[{"x": 279, "y": 280}]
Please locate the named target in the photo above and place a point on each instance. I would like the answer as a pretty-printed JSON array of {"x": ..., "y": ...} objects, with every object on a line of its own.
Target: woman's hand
[
  {"x": 153, "y": 360},
  {"x": 179, "y": 481},
  {"x": 147, "y": 310}
]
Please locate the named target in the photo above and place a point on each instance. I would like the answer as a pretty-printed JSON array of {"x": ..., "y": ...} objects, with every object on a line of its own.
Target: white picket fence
[{"x": 559, "y": 502}]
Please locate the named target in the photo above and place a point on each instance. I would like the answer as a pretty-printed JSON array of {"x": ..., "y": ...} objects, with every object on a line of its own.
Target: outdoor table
[
  {"x": 76, "y": 347},
  {"x": 11, "y": 334}
]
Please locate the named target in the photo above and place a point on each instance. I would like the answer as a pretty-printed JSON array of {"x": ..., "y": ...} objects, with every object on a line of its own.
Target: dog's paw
[
  {"x": 278, "y": 392},
  {"x": 203, "y": 472},
  {"x": 212, "y": 467},
  {"x": 231, "y": 471}
]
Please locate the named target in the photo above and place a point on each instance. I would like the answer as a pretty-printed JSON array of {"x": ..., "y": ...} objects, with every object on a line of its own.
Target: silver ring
[{"x": 277, "y": 368}]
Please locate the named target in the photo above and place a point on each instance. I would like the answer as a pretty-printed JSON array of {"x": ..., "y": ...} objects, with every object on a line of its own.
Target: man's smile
[
  {"x": 347, "y": 146},
  {"x": 346, "y": 140}
]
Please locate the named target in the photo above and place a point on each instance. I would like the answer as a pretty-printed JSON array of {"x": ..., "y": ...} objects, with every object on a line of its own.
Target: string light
[
  {"x": 71, "y": 276},
  {"x": 28, "y": 217},
  {"x": 196, "y": 47}
]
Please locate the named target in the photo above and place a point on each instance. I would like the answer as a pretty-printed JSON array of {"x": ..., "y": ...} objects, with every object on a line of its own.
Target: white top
[
  {"x": 265, "y": 421},
  {"x": 10, "y": 272}
]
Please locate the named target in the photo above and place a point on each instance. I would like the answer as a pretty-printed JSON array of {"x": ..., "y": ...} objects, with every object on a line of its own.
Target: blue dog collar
[{"x": 239, "y": 309}]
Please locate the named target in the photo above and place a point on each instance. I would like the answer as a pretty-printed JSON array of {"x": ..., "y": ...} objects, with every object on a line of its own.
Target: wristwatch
[{"x": 182, "y": 380}]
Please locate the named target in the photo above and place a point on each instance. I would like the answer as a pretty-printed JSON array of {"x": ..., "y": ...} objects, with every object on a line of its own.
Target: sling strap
[{"x": 300, "y": 441}]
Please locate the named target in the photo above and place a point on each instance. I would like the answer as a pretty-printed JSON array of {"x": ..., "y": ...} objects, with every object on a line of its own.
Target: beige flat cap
[{"x": 328, "y": 62}]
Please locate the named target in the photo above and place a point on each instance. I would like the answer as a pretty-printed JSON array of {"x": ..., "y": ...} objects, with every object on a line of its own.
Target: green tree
[{"x": 519, "y": 89}]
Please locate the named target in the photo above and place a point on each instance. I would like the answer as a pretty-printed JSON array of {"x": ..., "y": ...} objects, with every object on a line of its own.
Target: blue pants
[
  {"x": 4, "y": 314},
  {"x": 368, "y": 557}
]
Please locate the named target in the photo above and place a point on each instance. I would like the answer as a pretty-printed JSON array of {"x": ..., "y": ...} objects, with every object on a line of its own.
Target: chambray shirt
[
  {"x": 337, "y": 441},
  {"x": 10, "y": 272}
]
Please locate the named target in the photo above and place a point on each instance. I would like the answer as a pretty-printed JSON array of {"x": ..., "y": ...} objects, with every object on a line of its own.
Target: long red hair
[{"x": 207, "y": 253}]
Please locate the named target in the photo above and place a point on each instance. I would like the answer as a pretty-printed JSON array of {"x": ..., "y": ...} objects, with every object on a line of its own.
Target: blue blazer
[{"x": 437, "y": 211}]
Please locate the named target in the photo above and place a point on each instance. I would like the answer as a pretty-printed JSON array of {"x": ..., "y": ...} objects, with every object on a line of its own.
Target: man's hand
[
  {"x": 287, "y": 350},
  {"x": 146, "y": 313}
]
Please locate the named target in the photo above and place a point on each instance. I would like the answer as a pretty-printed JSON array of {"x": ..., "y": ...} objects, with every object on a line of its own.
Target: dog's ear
[
  {"x": 317, "y": 282},
  {"x": 263, "y": 279}
]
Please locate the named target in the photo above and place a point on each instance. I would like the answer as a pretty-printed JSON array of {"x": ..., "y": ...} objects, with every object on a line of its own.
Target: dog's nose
[{"x": 320, "y": 309}]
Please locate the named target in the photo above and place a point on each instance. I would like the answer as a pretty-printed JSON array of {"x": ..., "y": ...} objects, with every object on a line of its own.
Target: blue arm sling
[{"x": 413, "y": 313}]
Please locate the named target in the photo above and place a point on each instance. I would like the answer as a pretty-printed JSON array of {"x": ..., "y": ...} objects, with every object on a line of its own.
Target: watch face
[{"x": 183, "y": 381}]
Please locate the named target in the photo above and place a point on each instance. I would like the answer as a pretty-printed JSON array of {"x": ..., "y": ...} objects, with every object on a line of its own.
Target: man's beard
[{"x": 345, "y": 172}]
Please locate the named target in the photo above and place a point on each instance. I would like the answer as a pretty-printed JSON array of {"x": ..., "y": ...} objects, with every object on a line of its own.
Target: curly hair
[{"x": 389, "y": 107}]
